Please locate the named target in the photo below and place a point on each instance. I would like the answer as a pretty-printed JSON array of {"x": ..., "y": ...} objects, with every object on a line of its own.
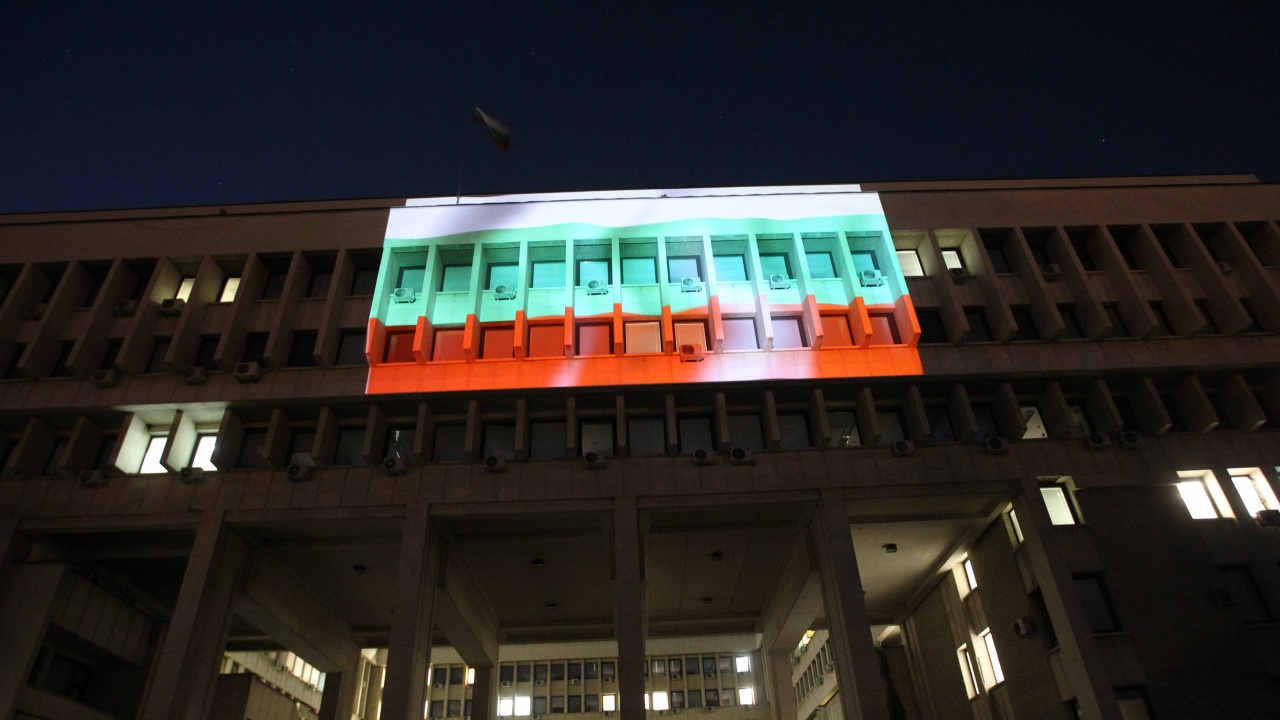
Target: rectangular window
[
  {"x": 318, "y": 287},
  {"x": 745, "y": 432},
  {"x": 679, "y": 268},
  {"x": 557, "y": 704},
  {"x": 595, "y": 339},
  {"x": 230, "y": 287},
  {"x": 159, "y": 349},
  {"x": 968, "y": 669},
  {"x": 787, "y": 333},
  {"x": 255, "y": 346},
  {"x": 740, "y": 334},
  {"x": 775, "y": 264},
  {"x": 500, "y": 441},
  {"x": 844, "y": 429},
  {"x": 646, "y": 436},
  {"x": 730, "y": 268},
  {"x": 447, "y": 345},
  {"x": 350, "y": 450},
  {"x": 575, "y": 703},
  {"x": 455, "y": 278},
  {"x": 399, "y": 347},
  {"x": 821, "y": 266},
  {"x": 302, "y": 349},
  {"x": 695, "y": 698},
  {"x": 952, "y": 259},
  {"x": 539, "y": 706},
  {"x": 206, "y": 351},
  {"x": 1096, "y": 603},
  {"x": 1017, "y": 528},
  {"x": 1196, "y": 497},
  {"x": 591, "y": 703},
  {"x": 598, "y": 270},
  {"x": 1058, "y": 504},
  {"x": 742, "y": 664},
  {"x": 506, "y": 707},
  {"x": 1243, "y": 592},
  {"x": 448, "y": 443},
  {"x": 498, "y": 343},
  {"x": 502, "y": 274},
  {"x": 184, "y": 289},
  {"x": 1035, "y": 424},
  {"x": 695, "y": 434},
  {"x": 639, "y": 271},
  {"x": 643, "y": 337},
  {"x": 351, "y": 348},
  {"x": 547, "y": 439},
  {"x": 546, "y": 341},
  {"x": 794, "y": 431},
  {"x": 910, "y": 262},
  {"x": 597, "y": 437},
  {"x": 203, "y": 456},
  {"x": 548, "y": 274},
  {"x": 979, "y": 329},
  {"x": 746, "y": 696},
  {"x": 1254, "y": 490},
  {"x": 609, "y": 703},
  {"x": 413, "y": 277},
  {"x": 835, "y": 331},
  {"x": 996, "y": 673},
  {"x": 968, "y": 575},
  {"x": 884, "y": 329},
  {"x": 363, "y": 282},
  {"x": 251, "y": 449},
  {"x": 691, "y": 333}
]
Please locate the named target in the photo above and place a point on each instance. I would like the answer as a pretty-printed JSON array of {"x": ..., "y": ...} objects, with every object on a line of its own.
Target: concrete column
[
  {"x": 373, "y": 701},
  {"x": 339, "y": 695},
  {"x": 26, "y": 594},
  {"x": 187, "y": 663},
  {"x": 481, "y": 691},
  {"x": 409, "y": 651},
  {"x": 782, "y": 693},
  {"x": 629, "y": 608},
  {"x": 1082, "y": 667},
  {"x": 862, "y": 693}
]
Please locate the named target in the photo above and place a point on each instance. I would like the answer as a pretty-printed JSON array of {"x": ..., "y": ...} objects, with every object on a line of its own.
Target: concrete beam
[
  {"x": 464, "y": 615},
  {"x": 409, "y": 649},
  {"x": 795, "y": 604}
]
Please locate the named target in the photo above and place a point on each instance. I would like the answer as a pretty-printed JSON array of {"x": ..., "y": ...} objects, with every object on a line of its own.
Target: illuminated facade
[{"x": 900, "y": 450}]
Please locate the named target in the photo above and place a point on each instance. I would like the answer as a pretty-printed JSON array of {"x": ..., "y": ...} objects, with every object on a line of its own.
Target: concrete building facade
[{"x": 899, "y": 450}]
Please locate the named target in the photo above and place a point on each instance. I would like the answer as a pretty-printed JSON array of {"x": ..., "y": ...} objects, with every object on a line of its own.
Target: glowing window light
[
  {"x": 746, "y": 696},
  {"x": 151, "y": 460},
  {"x": 968, "y": 573},
  {"x": 996, "y": 671},
  {"x": 203, "y": 458},
  {"x": 660, "y": 700},
  {"x": 1254, "y": 490},
  {"x": 1196, "y": 497},
  {"x": 524, "y": 706},
  {"x": 1055, "y": 501},
  {"x": 609, "y": 703},
  {"x": 229, "y": 289},
  {"x": 184, "y": 289},
  {"x": 506, "y": 706},
  {"x": 471, "y": 676},
  {"x": 743, "y": 663}
]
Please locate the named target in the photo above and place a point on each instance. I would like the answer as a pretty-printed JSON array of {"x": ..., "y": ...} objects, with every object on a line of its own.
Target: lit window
[
  {"x": 524, "y": 706},
  {"x": 1017, "y": 529},
  {"x": 968, "y": 669},
  {"x": 609, "y": 703},
  {"x": 502, "y": 274},
  {"x": 229, "y": 289},
  {"x": 746, "y": 696},
  {"x": 184, "y": 289},
  {"x": 1058, "y": 505},
  {"x": 951, "y": 258},
  {"x": 968, "y": 574},
  {"x": 910, "y": 262},
  {"x": 821, "y": 266},
  {"x": 506, "y": 706},
  {"x": 997, "y": 674},
  {"x": 589, "y": 270},
  {"x": 455, "y": 278},
  {"x": 743, "y": 664},
  {"x": 1197, "y": 500},
  {"x": 1254, "y": 490},
  {"x": 471, "y": 676},
  {"x": 203, "y": 457},
  {"x": 1035, "y": 425},
  {"x": 151, "y": 460},
  {"x": 548, "y": 274},
  {"x": 660, "y": 700},
  {"x": 646, "y": 701},
  {"x": 639, "y": 271}
]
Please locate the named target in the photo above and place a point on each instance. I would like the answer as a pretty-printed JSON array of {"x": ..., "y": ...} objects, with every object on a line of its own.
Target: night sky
[{"x": 125, "y": 105}]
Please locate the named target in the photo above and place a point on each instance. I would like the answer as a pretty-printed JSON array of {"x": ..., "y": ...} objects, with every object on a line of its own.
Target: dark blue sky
[{"x": 117, "y": 104}]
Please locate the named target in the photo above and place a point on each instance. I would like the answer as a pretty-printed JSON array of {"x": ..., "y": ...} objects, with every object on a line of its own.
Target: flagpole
[{"x": 466, "y": 141}]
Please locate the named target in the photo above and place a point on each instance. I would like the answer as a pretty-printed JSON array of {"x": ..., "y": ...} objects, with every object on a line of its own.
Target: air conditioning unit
[
  {"x": 1024, "y": 627},
  {"x": 495, "y": 463},
  {"x": 692, "y": 353},
  {"x": 739, "y": 456},
  {"x": 126, "y": 307},
  {"x": 1222, "y": 597},
  {"x": 594, "y": 460},
  {"x": 105, "y": 378},
  {"x": 690, "y": 285},
  {"x": 172, "y": 307},
  {"x": 574, "y": 681},
  {"x": 438, "y": 686},
  {"x": 92, "y": 478},
  {"x": 505, "y": 683},
  {"x": 1269, "y": 518},
  {"x": 595, "y": 287},
  {"x": 779, "y": 282},
  {"x": 1130, "y": 439},
  {"x": 608, "y": 680},
  {"x": 677, "y": 676},
  {"x": 1051, "y": 272},
  {"x": 997, "y": 445},
  {"x": 702, "y": 456},
  {"x": 300, "y": 467},
  {"x": 504, "y": 292},
  {"x": 903, "y": 448},
  {"x": 960, "y": 275},
  {"x": 395, "y": 466},
  {"x": 195, "y": 375},
  {"x": 539, "y": 682},
  {"x": 871, "y": 278},
  {"x": 712, "y": 676},
  {"x": 34, "y": 311},
  {"x": 1096, "y": 441},
  {"x": 248, "y": 372},
  {"x": 191, "y": 475},
  {"x": 404, "y": 295}
]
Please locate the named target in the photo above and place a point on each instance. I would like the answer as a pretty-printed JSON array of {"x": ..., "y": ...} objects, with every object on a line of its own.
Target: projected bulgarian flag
[{"x": 639, "y": 288}]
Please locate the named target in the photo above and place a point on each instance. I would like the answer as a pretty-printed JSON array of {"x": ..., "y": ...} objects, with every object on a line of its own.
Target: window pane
[
  {"x": 1197, "y": 500},
  {"x": 410, "y": 277},
  {"x": 151, "y": 460},
  {"x": 448, "y": 444},
  {"x": 775, "y": 264},
  {"x": 695, "y": 434},
  {"x": 643, "y": 337},
  {"x": 952, "y": 259},
  {"x": 910, "y": 262},
  {"x": 184, "y": 289},
  {"x": 350, "y": 447},
  {"x": 229, "y": 288},
  {"x": 546, "y": 341},
  {"x": 500, "y": 441},
  {"x": 595, "y": 339},
  {"x": 547, "y": 439},
  {"x": 502, "y": 274},
  {"x": 589, "y": 270},
  {"x": 787, "y": 334},
  {"x": 456, "y": 278},
  {"x": 1055, "y": 500},
  {"x": 1097, "y": 607},
  {"x": 740, "y": 334},
  {"x": 844, "y": 429},
  {"x": 820, "y": 265},
  {"x": 597, "y": 437},
  {"x": 795, "y": 432},
  {"x": 996, "y": 670},
  {"x": 745, "y": 432},
  {"x": 679, "y": 268},
  {"x": 638, "y": 271},
  {"x": 203, "y": 457},
  {"x": 691, "y": 333},
  {"x": 399, "y": 347},
  {"x": 498, "y": 343},
  {"x": 646, "y": 436},
  {"x": 351, "y": 348},
  {"x": 730, "y": 268},
  {"x": 447, "y": 345},
  {"x": 548, "y": 274},
  {"x": 884, "y": 330}
]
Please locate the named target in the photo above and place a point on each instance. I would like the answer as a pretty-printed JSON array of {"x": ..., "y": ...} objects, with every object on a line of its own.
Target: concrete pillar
[
  {"x": 782, "y": 693},
  {"x": 373, "y": 700},
  {"x": 187, "y": 664},
  {"x": 409, "y": 651},
  {"x": 339, "y": 695},
  {"x": 862, "y": 693},
  {"x": 481, "y": 691},
  {"x": 629, "y": 608},
  {"x": 26, "y": 594}
]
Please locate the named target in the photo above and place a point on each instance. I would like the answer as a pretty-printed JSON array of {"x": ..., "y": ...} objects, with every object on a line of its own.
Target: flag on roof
[{"x": 497, "y": 131}]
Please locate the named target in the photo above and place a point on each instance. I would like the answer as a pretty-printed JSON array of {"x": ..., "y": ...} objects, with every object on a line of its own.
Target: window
[
  {"x": 863, "y": 261},
  {"x": 591, "y": 703},
  {"x": 1096, "y": 603},
  {"x": 730, "y": 268},
  {"x": 690, "y": 333},
  {"x": 1058, "y": 504},
  {"x": 695, "y": 434},
  {"x": 575, "y": 703},
  {"x": 969, "y": 669},
  {"x": 350, "y": 450},
  {"x": 318, "y": 285},
  {"x": 151, "y": 459},
  {"x": 302, "y": 442},
  {"x": 471, "y": 676},
  {"x": 455, "y": 278},
  {"x": 539, "y": 706},
  {"x": 994, "y": 672},
  {"x": 60, "y": 368},
  {"x": 1035, "y": 424},
  {"x": 746, "y": 696},
  {"x": 1133, "y": 704},
  {"x": 743, "y": 665},
  {"x": 910, "y": 262},
  {"x": 1196, "y": 497},
  {"x": 968, "y": 574},
  {"x": 794, "y": 431},
  {"x": 639, "y": 271},
  {"x": 595, "y": 339},
  {"x": 448, "y": 443},
  {"x": 1243, "y": 591},
  {"x": 745, "y": 432},
  {"x": 884, "y": 329},
  {"x": 952, "y": 259},
  {"x": 251, "y": 449},
  {"x": 184, "y": 289},
  {"x": 597, "y": 270},
  {"x": 597, "y": 437},
  {"x": 203, "y": 457},
  {"x": 1072, "y": 329},
  {"x": 206, "y": 351},
  {"x": 932, "y": 330},
  {"x": 159, "y": 349},
  {"x": 821, "y": 266},
  {"x": 646, "y": 436},
  {"x": 524, "y": 706},
  {"x": 787, "y": 333},
  {"x": 502, "y": 274},
  {"x": 255, "y": 346},
  {"x": 609, "y": 703},
  {"x": 1254, "y": 490},
  {"x": 447, "y": 345},
  {"x": 506, "y": 707},
  {"x": 740, "y": 334},
  {"x": 413, "y": 277},
  {"x": 364, "y": 281},
  {"x": 547, "y": 439},
  {"x": 775, "y": 264},
  {"x": 548, "y": 274},
  {"x": 979, "y": 330},
  {"x": 498, "y": 343},
  {"x": 302, "y": 349},
  {"x": 939, "y": 419},
  {"x": 557, "y": 703},
  {"x": 1017, "y": 528},
  {"x": 643, "y": 337},
  {"x": 351, "y": 347},
  {"x": 230, "y": 287},
  {"x": 679, "y": 268},
  {"x": 844, "y": 429},
  {"x": 1025, "y": 324}
]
